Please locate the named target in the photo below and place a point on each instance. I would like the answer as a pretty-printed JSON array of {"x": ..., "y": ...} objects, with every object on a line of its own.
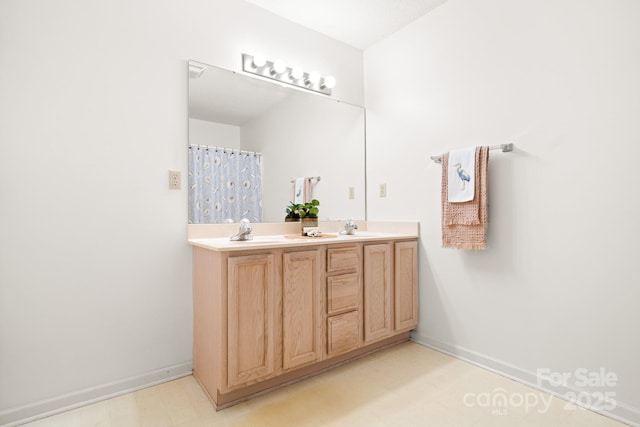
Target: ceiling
[
  {"x": 223, "y": 96},
  {"x": 358, "y": 23}
]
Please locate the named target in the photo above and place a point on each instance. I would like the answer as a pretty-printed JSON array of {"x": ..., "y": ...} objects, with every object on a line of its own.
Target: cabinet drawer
[
  {"x": 343, "y": 293},
  {"x": 343, "y": 333},
  {"x": 342, "y": 259}
]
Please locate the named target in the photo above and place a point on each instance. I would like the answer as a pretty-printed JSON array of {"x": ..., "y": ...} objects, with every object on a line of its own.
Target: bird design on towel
[{"x": 464, "y": 176}]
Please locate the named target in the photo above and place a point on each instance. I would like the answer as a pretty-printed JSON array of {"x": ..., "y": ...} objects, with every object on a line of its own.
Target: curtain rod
[
  {"x": 504, "y": 147},
  {"x": 232, "y": 150}
]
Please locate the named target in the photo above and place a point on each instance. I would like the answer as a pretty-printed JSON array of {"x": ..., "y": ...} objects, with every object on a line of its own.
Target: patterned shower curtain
[{"x": 225, "y": 185}]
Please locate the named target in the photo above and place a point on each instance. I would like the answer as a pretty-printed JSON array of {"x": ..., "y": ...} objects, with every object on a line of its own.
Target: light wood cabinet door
[
  {"x": 406, "y": 285},
  {"x": 301, "y": 310},
  {"x": 378, "y": 292},
  {"x": 251, "y": 327}
]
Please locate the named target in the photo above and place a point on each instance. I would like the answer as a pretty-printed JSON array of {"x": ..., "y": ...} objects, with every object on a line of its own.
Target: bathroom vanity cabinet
[{"x": 268, "y": 315}]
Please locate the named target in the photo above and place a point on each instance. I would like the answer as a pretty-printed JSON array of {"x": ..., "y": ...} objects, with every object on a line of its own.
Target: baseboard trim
[
  {"x": 622, "y": 412},
  {"x": 44, "y": 408}
]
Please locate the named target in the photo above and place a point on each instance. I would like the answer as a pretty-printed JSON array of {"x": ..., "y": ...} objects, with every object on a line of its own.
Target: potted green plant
[
  {"x": 293, "y": 214},
  {"x": 308, "y": 214}
]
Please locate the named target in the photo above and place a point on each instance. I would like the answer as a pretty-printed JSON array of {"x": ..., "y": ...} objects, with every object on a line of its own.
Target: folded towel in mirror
[
  {"x": 298, "y": 191},
  {"x": 302, "y": 190}
]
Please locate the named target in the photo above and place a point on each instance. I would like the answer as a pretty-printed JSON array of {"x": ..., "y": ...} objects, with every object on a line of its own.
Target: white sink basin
[{"x": 362, "y": 234}]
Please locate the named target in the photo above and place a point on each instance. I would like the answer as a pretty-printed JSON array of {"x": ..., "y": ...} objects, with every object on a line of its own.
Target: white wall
[
  {"x": 327, "y": 140},
  {"x": 95, "y": 273},
  {"x": 202, "y": 132},
  {"x": 558, "y": 286}
]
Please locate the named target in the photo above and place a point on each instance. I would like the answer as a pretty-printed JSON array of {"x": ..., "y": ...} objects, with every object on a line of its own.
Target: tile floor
[{"x": 407, "y": 385}]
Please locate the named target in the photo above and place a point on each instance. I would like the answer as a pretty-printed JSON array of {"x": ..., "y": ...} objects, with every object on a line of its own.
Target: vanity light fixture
[{"x": 279, "y": 71}]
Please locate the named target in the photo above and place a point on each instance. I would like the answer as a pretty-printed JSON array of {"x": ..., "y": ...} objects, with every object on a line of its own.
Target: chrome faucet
[
  {"x": 244, "y": 233},
  {"x": 349, "y": 227}
]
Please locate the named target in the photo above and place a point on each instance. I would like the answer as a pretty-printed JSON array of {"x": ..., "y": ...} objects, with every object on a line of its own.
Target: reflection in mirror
[{"x": 267, "y": 135}]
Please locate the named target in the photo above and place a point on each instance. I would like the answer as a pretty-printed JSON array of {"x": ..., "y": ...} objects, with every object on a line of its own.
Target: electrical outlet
[
  {"x": 174, "y": 180},
  {"x": 352, "y": 192},
  {"x": 383, "y": 190}
]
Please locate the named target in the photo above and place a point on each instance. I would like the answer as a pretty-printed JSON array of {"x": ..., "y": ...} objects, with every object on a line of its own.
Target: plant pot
[
  {"x": 287, "y": 219},
  {"x": 307, "y": 222}
]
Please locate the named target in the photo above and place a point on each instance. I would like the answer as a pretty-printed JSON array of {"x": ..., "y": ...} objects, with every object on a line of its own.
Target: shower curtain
[{"x": 225, "y": 185}]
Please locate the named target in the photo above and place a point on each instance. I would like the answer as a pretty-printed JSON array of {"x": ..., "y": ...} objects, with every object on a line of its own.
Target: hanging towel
[
  {"x": 307, "y": 189},
  {"x": 464, "y": 225},
  {"x": 461, "y": 177},
  {"x": 302, "y": 190}
]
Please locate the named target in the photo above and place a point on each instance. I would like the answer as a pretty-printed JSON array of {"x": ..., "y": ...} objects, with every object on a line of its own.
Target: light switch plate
[{"x": 383, "y": 190}]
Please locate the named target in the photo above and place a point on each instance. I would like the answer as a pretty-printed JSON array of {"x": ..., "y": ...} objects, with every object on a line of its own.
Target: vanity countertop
[{"x": 294, "y": 240}]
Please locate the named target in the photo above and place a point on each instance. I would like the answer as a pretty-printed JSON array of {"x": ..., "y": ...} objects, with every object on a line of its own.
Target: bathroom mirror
[{"x": 297, "y": 133}]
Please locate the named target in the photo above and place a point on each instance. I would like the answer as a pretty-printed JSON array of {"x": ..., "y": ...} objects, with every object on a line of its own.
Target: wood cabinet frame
[{"x": 297, "y": 332}]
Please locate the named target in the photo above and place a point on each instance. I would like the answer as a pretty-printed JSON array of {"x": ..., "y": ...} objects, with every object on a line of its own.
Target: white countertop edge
[
  {"x": 279, "y": 241},
  {"x": 209, "y": 231},
  {"x": 271, "y": 235}
]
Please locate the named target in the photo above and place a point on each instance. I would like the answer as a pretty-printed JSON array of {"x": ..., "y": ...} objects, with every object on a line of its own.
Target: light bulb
[
  {"x": 259, "y": 60},
  {"x": 296, "y": 73},
  {"x": 329, "y": 82},
  {"x": 279, "y": 66},
  {"x": 313, "y": 78}
]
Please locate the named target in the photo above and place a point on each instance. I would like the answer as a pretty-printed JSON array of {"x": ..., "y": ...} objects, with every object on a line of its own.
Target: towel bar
[
  {"x": 317, "y": 179},
  {"x": 503, "y": 147}
]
